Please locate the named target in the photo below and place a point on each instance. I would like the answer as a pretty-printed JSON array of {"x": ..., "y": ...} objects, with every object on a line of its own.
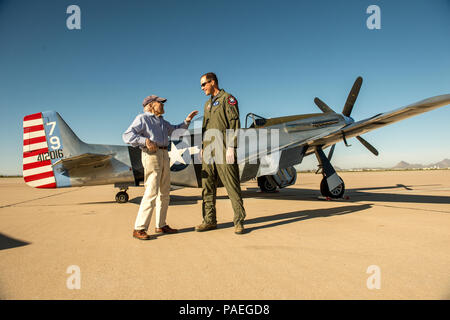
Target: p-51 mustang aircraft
[{"x": 54, "y": 157}]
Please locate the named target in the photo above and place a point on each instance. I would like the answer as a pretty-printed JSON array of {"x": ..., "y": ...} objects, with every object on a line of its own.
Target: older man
[{"x": 150, "y": 132}]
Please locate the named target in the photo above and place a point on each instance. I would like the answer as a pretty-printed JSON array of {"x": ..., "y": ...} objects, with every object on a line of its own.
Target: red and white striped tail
[{"x": 36, "y": 173}]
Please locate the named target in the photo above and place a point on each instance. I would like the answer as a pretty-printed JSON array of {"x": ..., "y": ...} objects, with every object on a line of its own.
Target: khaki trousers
[{"x": 157, "y": 189}]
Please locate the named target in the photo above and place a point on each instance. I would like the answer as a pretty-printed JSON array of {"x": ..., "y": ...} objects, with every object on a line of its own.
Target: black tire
[
  {"x": 336, "y": 193},
  {"x": 122, "y": 197},
  {"x": 265, "y": 185}
]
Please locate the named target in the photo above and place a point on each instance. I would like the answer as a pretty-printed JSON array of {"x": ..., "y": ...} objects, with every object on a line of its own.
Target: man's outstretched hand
[{"x": 191, "y": 115}]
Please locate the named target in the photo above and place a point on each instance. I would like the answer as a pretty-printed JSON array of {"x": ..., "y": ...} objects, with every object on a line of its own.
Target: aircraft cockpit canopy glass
[{"x": 254, "y": 120}]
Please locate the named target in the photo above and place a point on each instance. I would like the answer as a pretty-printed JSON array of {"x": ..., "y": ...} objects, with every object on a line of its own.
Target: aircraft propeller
[
  {"x": 330, "y": 154},
  {"x": 367, "y": 145},
  {"x": 353, "y": 94},
  {"x": 348, "y": 107},
  {"x": 322, "y": 105}
]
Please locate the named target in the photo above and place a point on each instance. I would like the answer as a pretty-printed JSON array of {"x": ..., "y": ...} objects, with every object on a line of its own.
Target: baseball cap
[{"x": 151, "y": 98}]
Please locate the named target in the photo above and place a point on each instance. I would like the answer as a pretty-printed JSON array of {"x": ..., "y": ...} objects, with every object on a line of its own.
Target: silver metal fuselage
[{"x": 121, "y": 170}]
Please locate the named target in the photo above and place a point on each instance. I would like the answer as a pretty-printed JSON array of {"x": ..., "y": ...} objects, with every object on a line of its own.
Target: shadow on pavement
[
  {"x": 8, "y": 242},
  {"x": 288, "y": 217}
]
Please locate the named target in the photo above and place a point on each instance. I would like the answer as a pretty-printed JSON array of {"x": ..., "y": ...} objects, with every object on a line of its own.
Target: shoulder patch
[{"x": 232, "y": 100}]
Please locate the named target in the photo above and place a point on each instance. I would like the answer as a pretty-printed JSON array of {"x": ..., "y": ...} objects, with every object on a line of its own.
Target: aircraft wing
[
  {"x": 85, "y": 159},
  {"x": 382, "y": 119},
  {"x": 332, "y": 135}
]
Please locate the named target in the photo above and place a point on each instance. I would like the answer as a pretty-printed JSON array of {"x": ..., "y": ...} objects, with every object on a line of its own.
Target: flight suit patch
[
  {"x": 232, "y": 110},
  {"x": 231, "y": 100}
]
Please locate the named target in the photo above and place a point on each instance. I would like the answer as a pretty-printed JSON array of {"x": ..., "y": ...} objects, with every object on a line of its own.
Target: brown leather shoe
[
  {"x": 166, "y": 229},
  {"x": 141, "y": 235}
]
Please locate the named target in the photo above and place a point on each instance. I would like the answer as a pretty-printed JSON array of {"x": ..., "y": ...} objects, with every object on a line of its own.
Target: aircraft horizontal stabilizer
[{"x": 85, "y": 159}]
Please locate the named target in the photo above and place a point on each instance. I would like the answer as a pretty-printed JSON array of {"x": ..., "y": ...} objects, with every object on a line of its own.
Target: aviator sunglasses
[{"x": 204, "y": 83}]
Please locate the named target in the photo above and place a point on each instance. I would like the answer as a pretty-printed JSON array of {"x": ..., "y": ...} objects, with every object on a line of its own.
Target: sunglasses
[{"x": 204, "y": 83}]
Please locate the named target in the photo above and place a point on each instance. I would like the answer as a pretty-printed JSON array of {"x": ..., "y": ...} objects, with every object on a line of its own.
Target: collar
[{"x": 221, "y": 92}]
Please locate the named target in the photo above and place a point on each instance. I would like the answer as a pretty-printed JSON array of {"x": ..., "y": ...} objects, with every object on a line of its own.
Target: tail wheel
[
  {"x": 336, "y": 193},
  {"x": 266, "y": 185},
  {"x": 122, "y": 197}
]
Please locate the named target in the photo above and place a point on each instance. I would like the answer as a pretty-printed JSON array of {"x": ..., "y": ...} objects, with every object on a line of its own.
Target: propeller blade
[
  {"x": 322, "y": 105},
  {"x": 330, "y": 154},
  {"x": 367, "y": 145},
  {"x": 352, "y": 97}
]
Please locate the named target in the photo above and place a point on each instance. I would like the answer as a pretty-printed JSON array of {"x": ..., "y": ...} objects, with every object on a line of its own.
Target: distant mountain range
[
  {"x": 438, "y": 165},
  {"x": 402, "y": 165}
]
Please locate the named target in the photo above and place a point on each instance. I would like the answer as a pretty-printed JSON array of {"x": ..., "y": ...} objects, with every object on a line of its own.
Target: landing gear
[
  {"x": 122, "y": 197},
  {"x": 336, "y": 193},
  {"x": 331, "y": 186},
  {"x": 266, "y": 185},
  {"x": 283, "y": 178}
]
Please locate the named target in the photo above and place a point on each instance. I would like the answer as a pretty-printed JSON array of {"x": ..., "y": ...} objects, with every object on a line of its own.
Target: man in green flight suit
[{"x": 221, "y": 114}]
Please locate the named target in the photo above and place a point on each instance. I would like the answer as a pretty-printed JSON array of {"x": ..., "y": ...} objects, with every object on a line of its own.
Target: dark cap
[{"x": 152, "y": 98}]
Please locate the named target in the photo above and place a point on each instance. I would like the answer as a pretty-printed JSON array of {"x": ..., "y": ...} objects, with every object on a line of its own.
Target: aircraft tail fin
[{"x": 46, "y": 140}]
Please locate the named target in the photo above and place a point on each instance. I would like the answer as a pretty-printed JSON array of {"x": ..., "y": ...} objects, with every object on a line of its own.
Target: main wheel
[
  {"x": 122, "y": 197},
  {"x": 266, "y": 185},
  {"x": 336, "y": 193}
]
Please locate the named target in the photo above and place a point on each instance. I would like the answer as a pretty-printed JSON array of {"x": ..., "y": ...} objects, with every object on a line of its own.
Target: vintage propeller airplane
[{"x": 54, "y": 157}]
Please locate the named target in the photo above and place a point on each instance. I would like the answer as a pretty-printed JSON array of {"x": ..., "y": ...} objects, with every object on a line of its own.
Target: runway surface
[{"x": 393, "y": 232}]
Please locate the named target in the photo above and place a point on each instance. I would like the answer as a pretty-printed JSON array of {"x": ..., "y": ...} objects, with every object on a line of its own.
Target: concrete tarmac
[{"x": 390, "y": 240}]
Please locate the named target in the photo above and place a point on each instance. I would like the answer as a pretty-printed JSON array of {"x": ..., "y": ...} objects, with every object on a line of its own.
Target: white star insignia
[{"x": 178, "y": 155}]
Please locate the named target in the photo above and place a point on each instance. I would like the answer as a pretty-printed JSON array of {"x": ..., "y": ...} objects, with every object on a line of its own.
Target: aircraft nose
[{"x": 348, "y": 120}]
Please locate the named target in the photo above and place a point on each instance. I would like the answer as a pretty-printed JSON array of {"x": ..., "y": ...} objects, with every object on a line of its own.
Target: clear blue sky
[{"x": 274, "y": 56}]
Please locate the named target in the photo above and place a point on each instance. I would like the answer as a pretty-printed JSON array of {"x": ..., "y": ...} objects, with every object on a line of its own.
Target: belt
[{"x": 146, "y": 150}]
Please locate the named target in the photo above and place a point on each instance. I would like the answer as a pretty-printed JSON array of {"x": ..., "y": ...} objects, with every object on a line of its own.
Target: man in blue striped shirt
[{"x": 151, "y": 132}]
